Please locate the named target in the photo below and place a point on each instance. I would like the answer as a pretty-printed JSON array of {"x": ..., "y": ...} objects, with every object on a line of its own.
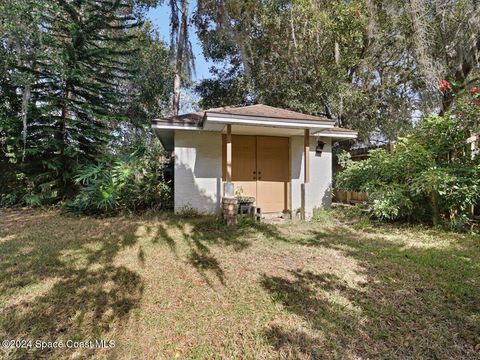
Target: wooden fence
[
  {"x": 349, "y": 197},
  {"x": 353, "y": 197}
]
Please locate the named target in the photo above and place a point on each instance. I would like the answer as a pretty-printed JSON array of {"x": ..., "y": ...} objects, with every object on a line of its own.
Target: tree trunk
[
  {"x": 180, "y": 58},
  {"x": 25, "y": 102},
  {"x": 61, "y": 137},
  {"x": 62, "y": 129}
]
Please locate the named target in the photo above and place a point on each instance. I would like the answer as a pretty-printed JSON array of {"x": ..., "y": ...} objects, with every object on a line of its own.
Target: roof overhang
[
  {"x": 338, "y": 135},
  {"x": 165, "y": 126},
  {"x": 217, "y": 121},
  {"x": 165, "y": 132}
]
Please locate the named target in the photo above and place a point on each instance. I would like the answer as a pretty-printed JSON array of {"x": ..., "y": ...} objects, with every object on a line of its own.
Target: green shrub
[
  {"x": 390, "y": 203},
  {"x": 350, "y": 213},
  {"x": 129, "y": 182},
  {"x": 430, "y": 174},
  {"x": 322, "y": 216},
  {"x": 9, "y": 200},
  {"x": 459, "y": 223},
  {"x": 188, "y": 212}
]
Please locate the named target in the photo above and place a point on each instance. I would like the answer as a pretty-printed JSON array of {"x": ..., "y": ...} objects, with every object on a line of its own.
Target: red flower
[
  {"x": 444, "y": 85},
  {"x": 459, "y": 114},
  {"x": 473, "y": 90}
]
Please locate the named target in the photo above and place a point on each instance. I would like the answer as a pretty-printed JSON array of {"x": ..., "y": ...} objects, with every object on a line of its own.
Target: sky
[{"x": 160, "y": 16}]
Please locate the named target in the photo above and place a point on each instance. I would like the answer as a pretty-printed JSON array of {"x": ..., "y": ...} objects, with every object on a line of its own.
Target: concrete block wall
[
  {"x": 198, "y": 171},
  {"x": 318, "y": 192}
]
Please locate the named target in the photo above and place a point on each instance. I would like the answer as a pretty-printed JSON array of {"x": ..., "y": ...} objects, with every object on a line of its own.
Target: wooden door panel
[
  {"x": 273, "y": 173},
  {"x": 243, "y": 164},
  {"x": 243, "y": 158},
  {"x": 260, "y": 168}
]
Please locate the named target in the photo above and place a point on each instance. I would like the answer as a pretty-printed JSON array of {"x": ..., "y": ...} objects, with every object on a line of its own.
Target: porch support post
[
  {"x": 229, "y": 153},
  {"x": 306, "y": 172},
  {"x": 229, "y": 202},
  {"x": 306, "y": 155},
  {"x": 302, "y": 201}
]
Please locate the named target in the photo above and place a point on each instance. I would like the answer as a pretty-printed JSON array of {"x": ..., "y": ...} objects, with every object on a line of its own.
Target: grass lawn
[{"x": 166, "y": 287}]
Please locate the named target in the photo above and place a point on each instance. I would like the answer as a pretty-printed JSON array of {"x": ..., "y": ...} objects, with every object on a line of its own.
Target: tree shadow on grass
[
  {"x": 204, "y": 262},
  {"x": 301, "y": 293},
  {"x": 417, "y": 302},
  {"x": 293, "y": 343},
  {"x": 211, "y": 230},
  {"x": 201, "y": 233},
  {"x": 60, "y": 285}
]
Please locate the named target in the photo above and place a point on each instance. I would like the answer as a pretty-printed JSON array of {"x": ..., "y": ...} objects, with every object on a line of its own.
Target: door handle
[
  {"x": 254, "y": 178},
  {"x": 254, "y": 172},
  {"x": 259, "y": 173},
  {"x": 259, "y": 178}
]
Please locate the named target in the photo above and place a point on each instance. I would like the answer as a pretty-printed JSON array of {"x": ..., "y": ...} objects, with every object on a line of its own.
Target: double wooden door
[{"x": 260, "y": 168}]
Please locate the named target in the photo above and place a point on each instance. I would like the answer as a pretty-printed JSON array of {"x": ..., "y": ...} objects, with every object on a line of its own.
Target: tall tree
[
  {"x": 181, "y": 49},
  {"x": 447, "y": 44},
  {"x": 86, "y": 59},
  {"x": 149, "y": 89},
  {"x": 303, "y": 55},
  {"x": 367, "y": 64},
  {"x": 19, "y": 49},
  {"x": 82, "y": 58}
]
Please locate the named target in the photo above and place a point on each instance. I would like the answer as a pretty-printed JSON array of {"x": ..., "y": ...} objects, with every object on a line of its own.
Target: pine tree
[
  {"x": 18, "y": 50},
  {"x": 78, "y": 91}
]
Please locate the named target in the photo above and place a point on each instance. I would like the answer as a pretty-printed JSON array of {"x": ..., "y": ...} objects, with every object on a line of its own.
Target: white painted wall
[
  {"x": 198, "y": 170},
  {"x": 318, "y": 192}
]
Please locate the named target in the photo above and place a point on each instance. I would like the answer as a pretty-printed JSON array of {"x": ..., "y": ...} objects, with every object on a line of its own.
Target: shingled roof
[
  {"x": 259, "y": 110},
  {"x": 340, "y": 130}
]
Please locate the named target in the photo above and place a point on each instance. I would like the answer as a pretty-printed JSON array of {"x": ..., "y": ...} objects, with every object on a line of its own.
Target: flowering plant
[
  {"x": 444, "y": 85},
  {"x": 468, "y": 108}
]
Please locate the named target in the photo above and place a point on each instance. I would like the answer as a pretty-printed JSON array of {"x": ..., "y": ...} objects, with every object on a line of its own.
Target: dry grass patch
[{"x": 166, "y": 287}]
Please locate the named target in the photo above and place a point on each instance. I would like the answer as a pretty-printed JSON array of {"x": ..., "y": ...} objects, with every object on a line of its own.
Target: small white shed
[{"x": 280, "y": 157}]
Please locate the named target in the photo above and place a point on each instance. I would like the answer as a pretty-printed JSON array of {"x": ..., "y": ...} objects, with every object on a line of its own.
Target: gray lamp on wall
[{"x": 319, "y": 148}]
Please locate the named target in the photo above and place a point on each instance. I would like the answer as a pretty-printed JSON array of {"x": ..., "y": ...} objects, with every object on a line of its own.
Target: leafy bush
[
  {"x": 18, "y": 188},
  {"x": 390, "y": 203},
  {"x": 459, "y": 223},
  {"x": 430, "y": 174},
  {"x": 133, "y": 181},
  {"x": 356, "y": 215},
  {"x": 321, "y": 216},
  {"x": 188, "y": 212}
]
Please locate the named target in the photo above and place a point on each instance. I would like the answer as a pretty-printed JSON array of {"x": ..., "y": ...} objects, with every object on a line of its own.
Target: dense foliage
[
  {"x": 131, "y": 181},
  {"x": 74, "y": 89},
  {"x": 370, "y": 65},
  {"x": 431, "y": 174},
  {"x": 80, "y": 80}
]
